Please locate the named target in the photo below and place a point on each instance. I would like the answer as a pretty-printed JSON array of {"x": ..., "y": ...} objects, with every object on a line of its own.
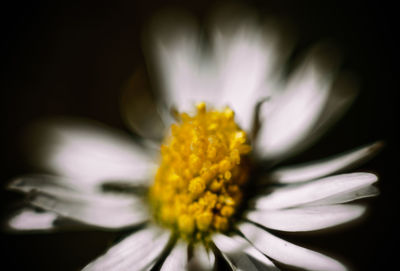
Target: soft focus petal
[
  {"x": 89, "y": 152},
  {"x": 28, "y": 219},
  {"x": 321, "y": 168},
  {"x": 136, "y": 252},
  {"x": 286, "y": 252},
  {"x": 103, "y": 210},
  {"x": 180, "y": 64},
  {"x": 327, "y": 190},
  {"x": 93, "y": 212},
  {"x": 236, "y": 68},
  {"x": 307, "y": 218},
  {"x": 139, "y": 109},
  {"x": 177, "y": 259},
  {"x": 343, "y": 92},
  {"x": 35, "y": 220},
  {"x": 54, "y": 185},
  {"x": 247, "y": 54},
  {"x": 294, "y": 112},
  {"x": 242, "y": 254},
  {"x": 202, "y": 259}
]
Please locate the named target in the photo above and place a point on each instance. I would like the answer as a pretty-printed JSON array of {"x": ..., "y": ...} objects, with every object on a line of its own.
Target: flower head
[{"x": 215, "y": 189}]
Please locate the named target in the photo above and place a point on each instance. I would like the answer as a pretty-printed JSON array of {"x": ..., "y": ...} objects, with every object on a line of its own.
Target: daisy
[{"x": 207, "y": 197}]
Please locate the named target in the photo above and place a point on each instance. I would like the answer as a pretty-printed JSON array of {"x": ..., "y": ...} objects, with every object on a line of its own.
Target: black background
[{"x": 72, "y": 59}]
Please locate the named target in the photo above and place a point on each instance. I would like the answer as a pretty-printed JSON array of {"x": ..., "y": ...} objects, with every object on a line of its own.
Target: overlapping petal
[
  {"x": 308, "y": 218},
  {"x": 321, "y": 168},
  {"x": 248, "y": 56},
  {"x": 180, "y": 64},
  {"x": 138, "y": 251},
  {"x": 202, "y": 259},
  {"x": 233, "y": 69},
  {"x": 329, "y": 190},
  {"x": 241, "y": 254},
  {"x": 102, "y": 210},
  {"x": 177, "y": 259},
  {"x": 286, "y": 252},
  {"x": 294, "y": 113}
]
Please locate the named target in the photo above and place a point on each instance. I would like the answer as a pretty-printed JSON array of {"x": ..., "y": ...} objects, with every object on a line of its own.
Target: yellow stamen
[{"x": 204, "y": 165}]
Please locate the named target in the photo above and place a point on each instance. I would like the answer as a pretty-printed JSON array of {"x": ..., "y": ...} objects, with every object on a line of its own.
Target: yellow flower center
[{"x": 198, "y": 186}]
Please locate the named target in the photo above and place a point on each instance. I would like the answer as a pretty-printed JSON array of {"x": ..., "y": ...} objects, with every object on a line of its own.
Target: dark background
[{"x": 72, "y": 59}]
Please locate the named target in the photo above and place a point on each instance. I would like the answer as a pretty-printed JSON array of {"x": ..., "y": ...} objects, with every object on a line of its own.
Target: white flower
[{"x": 90, "y": 162}]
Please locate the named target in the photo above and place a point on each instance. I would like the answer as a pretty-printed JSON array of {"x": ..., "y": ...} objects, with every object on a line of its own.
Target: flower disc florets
[{"x": 198, "y": 186}]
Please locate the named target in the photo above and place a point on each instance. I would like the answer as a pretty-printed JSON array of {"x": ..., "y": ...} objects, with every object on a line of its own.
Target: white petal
[
  {"x": 177, "y": 259},
  {"x": 202, "y": 259},
  {"x": 247, "y": 55},
  {"x": 89, "y": 152},
  {"x": 91, "y": 212},
  {"x": 294, "y": 113},
  {"x": 242, "y": 254},
  {"x": 321, "y": 168},
  {"x": 232, "y": 70},
  {"x": 364, "y": 192},
  {"x": 28, "y": 219},
  {"x": 307, "y": 218},
  {"x": 103, "y": 210},
  {"x": 288, "y": 253},
  {"x": 182, "y": 66},
  {"x": 334, "y": 188},
  {"x": 136, "y": 252}
]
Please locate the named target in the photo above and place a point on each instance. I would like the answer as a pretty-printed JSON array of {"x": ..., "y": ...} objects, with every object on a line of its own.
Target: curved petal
[
  {"x": 307, "y": 218},
  {"x": 242, "y": 254},
  {"x": 333, "y": 189},
  {"x": 293, "y": 114},
  {"x": 321, "y": 168},
  {"x": 136, "y": 252},
  {"x": 89, "y": 152},
  {"x": 103, "y": 210},
  {"x": 28, "y": 219},
  {"x": 202, "y": 259},
  {"x": 177, "y": 259},
  {"x": 286, "y": 252}
]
